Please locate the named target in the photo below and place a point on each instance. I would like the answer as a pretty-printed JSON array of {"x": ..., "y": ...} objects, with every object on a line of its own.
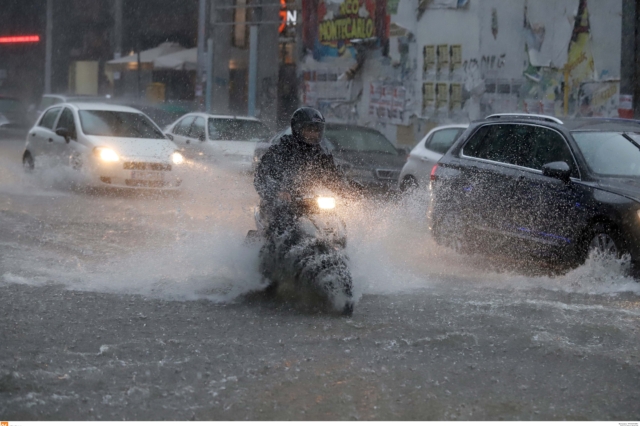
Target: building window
[{"x": 240, "y": 29}]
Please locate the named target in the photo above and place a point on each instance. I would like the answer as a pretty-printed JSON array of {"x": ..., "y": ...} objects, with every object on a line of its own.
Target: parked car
[
  {"x": 535, "y": 185},
  {"x": 12, "y": 113},
  {"x": 162, "y": 113},
  {"x": 116, "y": 145},
  {"x": 225, "y": 138},
  {"x": 50, "y": 99},
  {"x": 159, "y": 115},
  {"x": 426, "y": 154},
  {"x": 365, "y": 155}
]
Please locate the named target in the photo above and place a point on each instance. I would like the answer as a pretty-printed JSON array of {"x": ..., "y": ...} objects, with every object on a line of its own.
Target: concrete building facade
[{"x": 459, "y": 60}]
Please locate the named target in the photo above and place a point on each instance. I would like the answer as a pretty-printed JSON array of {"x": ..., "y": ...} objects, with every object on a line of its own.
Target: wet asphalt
[{"x": 111, "y": 310}]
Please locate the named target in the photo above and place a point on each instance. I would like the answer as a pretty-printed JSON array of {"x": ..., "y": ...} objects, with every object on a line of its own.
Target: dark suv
[{"x": 537, "y": 186}]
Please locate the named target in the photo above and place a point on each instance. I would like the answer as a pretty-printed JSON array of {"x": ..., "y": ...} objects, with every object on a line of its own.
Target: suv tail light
[{"x": 433, "y": 172}]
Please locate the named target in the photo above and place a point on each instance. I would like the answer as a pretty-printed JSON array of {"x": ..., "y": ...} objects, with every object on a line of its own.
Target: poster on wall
[
  {"x": 331, "y": 26},
  {"x": 323, "y": 89},
  {"x": 456, "y": 72},
  {"x": 428, "y": 98},
  {"x": 392, "y": 6},
  {"x": 388, "y": 103},
  {"x": 455, "y": 98},
  {"x": 442, "y": 97},
  {"x": 428, "y": 61},
  {"x": 442, "y": 58}
]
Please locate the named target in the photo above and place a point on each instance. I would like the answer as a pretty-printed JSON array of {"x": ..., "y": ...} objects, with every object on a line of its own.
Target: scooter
[{"x": 309, "y": 259}]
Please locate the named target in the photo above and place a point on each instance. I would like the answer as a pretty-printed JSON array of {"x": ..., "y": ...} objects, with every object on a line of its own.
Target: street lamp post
[
  {"x": 202, "y": 10},
  {"x": 48, "y": 48}
]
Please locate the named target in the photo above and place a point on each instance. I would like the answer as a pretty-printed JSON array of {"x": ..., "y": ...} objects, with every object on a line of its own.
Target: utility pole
[
  {"x": 253, "y": 60},
  {"x": 209, "y": 85},
  {"x": 253, "y": 69},
  {"x": 117, "y": 30},
  {"x": 117, "y": 44},
  {"x": 202, "y": 10},
  {"x": 48, "y": 48},
  {"x": 629, "y": 76},
  {"x": 213, "y": 17}
]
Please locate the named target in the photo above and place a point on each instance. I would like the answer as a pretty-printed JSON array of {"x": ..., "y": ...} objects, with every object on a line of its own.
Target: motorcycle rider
[
  {"x": 289, "y": 169},
  {"x": 291, "y": 166}
]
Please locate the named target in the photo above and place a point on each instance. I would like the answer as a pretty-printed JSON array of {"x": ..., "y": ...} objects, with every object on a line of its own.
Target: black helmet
[{"x": 307, "y": 125}]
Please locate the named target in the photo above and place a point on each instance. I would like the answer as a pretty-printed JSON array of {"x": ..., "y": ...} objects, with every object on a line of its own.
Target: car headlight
[
  {"x": 326, "y": 203},
  {"x": 638, "y": 213},
  {"x": 177, "y": 158},
  {"x": 106, "y": 154}
]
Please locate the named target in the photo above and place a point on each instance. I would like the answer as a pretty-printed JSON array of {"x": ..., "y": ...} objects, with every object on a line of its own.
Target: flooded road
[{"x": 121, "y": 306}]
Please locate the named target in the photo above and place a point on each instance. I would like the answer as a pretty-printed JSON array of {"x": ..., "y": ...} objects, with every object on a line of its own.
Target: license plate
[{"x": 144, "y": 175}]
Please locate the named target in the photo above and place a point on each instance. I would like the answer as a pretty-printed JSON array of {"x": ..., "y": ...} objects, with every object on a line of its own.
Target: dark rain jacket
[{"x": 295, "y": 167}]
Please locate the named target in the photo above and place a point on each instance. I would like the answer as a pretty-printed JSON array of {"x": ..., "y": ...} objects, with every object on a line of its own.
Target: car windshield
[
  {"x": 358, "y": 139},
  {"x": 610, "y": 153},
  {"x": 225, "y": 129},
  {"x": 118, "y": 124}
]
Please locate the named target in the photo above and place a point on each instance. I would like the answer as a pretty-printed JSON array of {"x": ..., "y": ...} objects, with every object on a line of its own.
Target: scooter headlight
[
  {"x": 326, "y": 203},
  {"x": 177, "y": 158},
  {"x": 106, "y": 154}
]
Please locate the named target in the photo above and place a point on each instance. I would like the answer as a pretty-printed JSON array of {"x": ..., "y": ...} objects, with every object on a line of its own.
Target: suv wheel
[{"x": 605, "y": 239}]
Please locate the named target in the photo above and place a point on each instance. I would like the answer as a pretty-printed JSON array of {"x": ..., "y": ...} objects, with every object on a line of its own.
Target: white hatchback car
[
  {"x": 116, "y": 146},
  {"x": 426, "y": 154},
  {"x": 226, "y": 138}
]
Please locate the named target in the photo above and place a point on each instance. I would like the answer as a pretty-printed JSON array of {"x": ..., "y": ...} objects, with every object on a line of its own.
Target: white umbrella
[
  {"x": 147, "y": 56},
  {"x": 184, "y": 60}
]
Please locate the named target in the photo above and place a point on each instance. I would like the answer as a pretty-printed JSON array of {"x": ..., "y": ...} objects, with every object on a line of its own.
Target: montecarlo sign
[{"x": 353, "y": 19}]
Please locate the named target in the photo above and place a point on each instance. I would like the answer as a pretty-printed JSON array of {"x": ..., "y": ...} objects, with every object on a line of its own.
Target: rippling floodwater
[{"x": 118, "y": 285}]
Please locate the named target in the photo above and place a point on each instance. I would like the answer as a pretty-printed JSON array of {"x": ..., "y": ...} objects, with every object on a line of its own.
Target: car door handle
[
  {"x": 188, "y": 141},
  {"x": 33, "y": 134},
  {"x": 50, "y": 140}
]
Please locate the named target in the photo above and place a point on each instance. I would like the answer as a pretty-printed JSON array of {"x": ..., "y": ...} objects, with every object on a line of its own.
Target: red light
[
  {"x": 433, "y": 172},
  {"x": 283, "y": 15},
  {"x": 20, "y": 39}
]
